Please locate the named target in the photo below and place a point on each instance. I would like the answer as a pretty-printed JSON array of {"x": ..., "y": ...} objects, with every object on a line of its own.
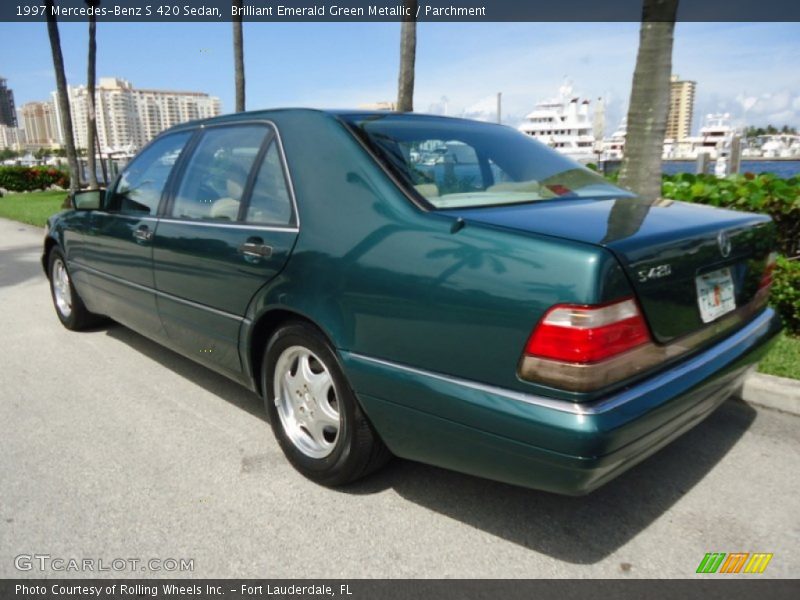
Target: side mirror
[{"x": 88, "y": 199}]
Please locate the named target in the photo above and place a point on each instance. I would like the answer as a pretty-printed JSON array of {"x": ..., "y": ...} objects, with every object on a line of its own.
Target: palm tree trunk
[
  {"x": 238, "y": 58},
  {"x": 649, "y": 104},
  {"x": 90, "y": 96},
  {"x": 408, "y": 55},
  {"x": 63, "y": 98}
]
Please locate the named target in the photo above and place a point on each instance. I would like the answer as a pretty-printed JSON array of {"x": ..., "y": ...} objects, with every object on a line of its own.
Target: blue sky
[{"x": 747, "y": 69}]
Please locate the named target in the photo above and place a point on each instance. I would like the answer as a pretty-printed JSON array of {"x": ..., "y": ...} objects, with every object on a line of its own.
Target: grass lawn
[
  {"x": 32, "y": 208},
  {"x": 784, "y": 358}
]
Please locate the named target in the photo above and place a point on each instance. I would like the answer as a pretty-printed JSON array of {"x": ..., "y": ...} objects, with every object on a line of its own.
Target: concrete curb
[{"x": 778, "y": 393}]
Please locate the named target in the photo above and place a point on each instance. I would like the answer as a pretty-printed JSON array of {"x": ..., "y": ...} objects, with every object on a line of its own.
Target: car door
[
  {"x": 117, "y": 251},
  {"x": 227, "y": 230}
]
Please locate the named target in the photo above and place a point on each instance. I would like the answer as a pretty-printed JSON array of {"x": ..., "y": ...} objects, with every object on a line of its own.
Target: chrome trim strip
[
  {"x": 561, "y": 405},
  {"x": 756, "y": 328},
  {"x": 236, "y": 225},
  {"x": 159, "y": 293},
  {"x": 125, "y": 216}
]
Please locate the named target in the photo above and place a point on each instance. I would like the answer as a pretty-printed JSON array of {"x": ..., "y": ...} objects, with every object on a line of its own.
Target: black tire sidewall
[{"x": 337, "y": 466}]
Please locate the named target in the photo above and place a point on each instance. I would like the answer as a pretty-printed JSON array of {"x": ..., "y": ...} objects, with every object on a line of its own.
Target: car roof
[{"x": 347, "y": 114}]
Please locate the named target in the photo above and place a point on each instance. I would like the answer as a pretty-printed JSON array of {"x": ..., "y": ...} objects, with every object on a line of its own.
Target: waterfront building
[
  {"x": 128, "y": 117},
  {"x": 382, "y": 105},
  {"x": 11, "y": 138},
  {"x": 8, "y": 114},
  {"x": 681, "y": 109},
  {"x": 40, "y": 124}
]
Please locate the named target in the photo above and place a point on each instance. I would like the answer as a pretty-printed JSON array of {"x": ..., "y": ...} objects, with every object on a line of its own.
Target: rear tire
[
  {"x": 314, "y": 413},
  {"x": 70, "y": 309}
]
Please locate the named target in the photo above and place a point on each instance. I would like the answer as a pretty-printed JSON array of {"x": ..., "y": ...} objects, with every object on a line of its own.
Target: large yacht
[
  {"x": 614, "y": 147},
  {"x": 715, "y": 139},
  {"x": 564, "y": 124},
  {"x": 715, "y": 135}
]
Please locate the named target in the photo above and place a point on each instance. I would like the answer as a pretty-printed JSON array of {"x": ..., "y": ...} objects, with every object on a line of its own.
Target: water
[{"x": 781, "y": 168}]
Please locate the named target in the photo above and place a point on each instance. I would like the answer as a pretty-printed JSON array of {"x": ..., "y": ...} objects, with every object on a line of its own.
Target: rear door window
[{"x": 216, "y": 177}]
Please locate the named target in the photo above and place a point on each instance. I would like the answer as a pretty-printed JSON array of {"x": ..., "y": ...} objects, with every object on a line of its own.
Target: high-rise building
[
  {"x": 681, "y": 108},
  {"x": 128, "y": 118},
  {"x": 40, "y": 124},
  {"x": 11, "y": 138},
  {"x": 8, "y": 114}
]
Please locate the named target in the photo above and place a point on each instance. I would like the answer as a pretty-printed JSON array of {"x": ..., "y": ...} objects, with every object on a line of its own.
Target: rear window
[{"x": 455, "y": 163}]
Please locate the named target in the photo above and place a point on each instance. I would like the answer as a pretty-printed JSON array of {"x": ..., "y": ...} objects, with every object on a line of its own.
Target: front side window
[
  {"x": 455, "y": 163},
  {"x": 142, "y": 183},
  {"x": 215, "y": 179}
]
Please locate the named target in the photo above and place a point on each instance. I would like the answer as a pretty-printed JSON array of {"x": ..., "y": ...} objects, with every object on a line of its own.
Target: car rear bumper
[{"x": 543, "y": 443}]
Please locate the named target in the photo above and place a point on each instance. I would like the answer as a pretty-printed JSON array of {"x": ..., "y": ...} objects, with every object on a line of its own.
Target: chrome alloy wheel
[
  {"x": 61, "y": 288},
  {"x": 307, "y": 401}
]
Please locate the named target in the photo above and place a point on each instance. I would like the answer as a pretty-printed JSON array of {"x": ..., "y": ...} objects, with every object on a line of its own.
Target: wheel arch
[
  {"x": 49, "y": 244},
  {"x": 263, "y": 328}
]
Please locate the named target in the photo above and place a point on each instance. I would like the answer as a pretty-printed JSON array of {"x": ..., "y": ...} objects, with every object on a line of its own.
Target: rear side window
[
  {"x": 270, "y": 202},
  {"x": 214, "y": 182},
  {"x": 142, "y": 183}
]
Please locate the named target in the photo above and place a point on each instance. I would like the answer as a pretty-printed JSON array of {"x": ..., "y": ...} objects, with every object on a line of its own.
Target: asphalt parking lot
[{"x": 113, "y": 447}]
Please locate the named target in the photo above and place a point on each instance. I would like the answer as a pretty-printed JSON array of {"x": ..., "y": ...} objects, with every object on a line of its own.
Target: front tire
[
  {"x": 70, "y": 309},
  {"x": 313, "y": 411}
]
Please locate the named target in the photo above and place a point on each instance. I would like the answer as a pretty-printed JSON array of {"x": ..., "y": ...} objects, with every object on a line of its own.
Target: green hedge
[
  {"x": 765, "y": 193},
  {"x": 785, "y": 295},
  {"x": 28, "y": 179}
]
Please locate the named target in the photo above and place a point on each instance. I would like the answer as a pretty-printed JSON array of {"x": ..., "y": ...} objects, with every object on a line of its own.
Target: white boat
[
  {"x": 563, "y": 124},
  {"x": 715, "y": 139},
  {"x": 614, "y": 146},
  {"x": 782, "y": 145},
  {"x": 715, "y": 136}
]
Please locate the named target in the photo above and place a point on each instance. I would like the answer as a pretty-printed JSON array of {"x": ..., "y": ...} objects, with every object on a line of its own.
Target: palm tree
[
  {"x": 238, "y": 56},
  {"x": 408, "y": 54},
  {"x": 649, "y": 104},
  {"x": 90, "y": 95},
  {"x": 63, "y": 98}
]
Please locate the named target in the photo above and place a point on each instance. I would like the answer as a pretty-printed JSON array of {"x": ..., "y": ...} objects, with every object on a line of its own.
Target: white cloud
[{"x": 777, "y": 108}]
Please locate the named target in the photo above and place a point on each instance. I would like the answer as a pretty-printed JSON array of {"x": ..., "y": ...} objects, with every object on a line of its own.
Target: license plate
[{"x": 715, "y": 294}]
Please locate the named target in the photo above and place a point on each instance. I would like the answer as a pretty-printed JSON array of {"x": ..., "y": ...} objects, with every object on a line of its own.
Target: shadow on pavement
[
  {"x": 580, "y": 530},
  {"x": 19, "y": 264},
  {"x": 221, "y": 386}
]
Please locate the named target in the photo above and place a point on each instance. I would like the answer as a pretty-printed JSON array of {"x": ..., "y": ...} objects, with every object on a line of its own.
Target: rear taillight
[
  {"x": 588, "y": 334},
  {"x": 766, "y": 278}
]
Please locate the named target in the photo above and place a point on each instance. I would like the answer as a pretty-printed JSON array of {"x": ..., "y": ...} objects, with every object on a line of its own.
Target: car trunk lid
[{"x": 672, "y": 252}]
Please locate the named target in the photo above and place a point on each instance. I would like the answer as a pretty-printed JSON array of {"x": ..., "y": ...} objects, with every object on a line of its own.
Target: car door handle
[
  {"x": 143, "y": 234},
  {"x": 255, "y": 249}
]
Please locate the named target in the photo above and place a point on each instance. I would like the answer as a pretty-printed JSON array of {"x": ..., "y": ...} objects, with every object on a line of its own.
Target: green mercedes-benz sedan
[{"x": 442, "y": 290}]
